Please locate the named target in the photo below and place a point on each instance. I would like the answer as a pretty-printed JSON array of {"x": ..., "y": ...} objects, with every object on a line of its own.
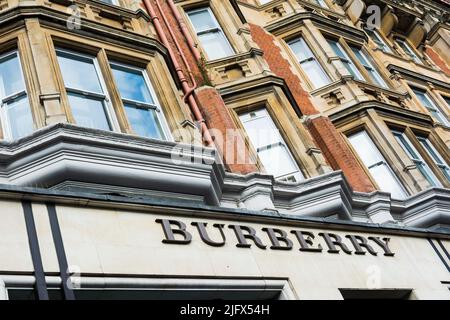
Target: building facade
[{"x": 244, "y": 149}]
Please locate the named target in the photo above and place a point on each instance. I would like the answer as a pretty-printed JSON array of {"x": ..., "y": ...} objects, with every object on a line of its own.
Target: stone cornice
[
  {"x": 294, "y": 20},
  {"x": 65, "y": 152},
  {"x": 385, "y": 109},
  {"x": 418, "y": 76},
  {"x": 257, "y": 84}
]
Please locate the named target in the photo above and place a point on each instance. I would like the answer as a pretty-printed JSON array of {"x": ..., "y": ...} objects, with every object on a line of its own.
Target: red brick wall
[
  {"x": 210, "y": 102},
  {"x": 437, "y": 60},
  {"x": 232, "y": 147},
  {"x": 338, "y": 153},
  {"x": 328, "y": 139},
  {"x": 282, "y": 68}
]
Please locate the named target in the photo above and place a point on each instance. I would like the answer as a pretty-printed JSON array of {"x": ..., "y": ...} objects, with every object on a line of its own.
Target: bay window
[
  {"x": 85, "y": 90},
  {"x": 309, "y": 63},
  {"x": 376, "y": 164},
  {"x": 211, "y": 36},
  {"x": 17, "y": 120},
  {"x": 139, "y": 100},
  {"x": 270, "y": 146}
]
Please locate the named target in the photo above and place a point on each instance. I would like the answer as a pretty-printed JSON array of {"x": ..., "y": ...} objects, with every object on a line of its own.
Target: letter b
[{"x": 170, "y": 232}]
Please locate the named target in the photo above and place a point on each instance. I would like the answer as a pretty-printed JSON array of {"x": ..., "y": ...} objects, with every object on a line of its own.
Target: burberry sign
[{"x": 177, "y": 232}]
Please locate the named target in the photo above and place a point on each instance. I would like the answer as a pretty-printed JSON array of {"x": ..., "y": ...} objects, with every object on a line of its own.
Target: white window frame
[
  {"x": 433, "y": 108},
  {"x": 416, "y": 158},
  {"x": 438, "y": 160},
  {"x": 110, "y": 113},
  {"x": 156, "y": 106},
  {"x": 217, "y": 29},
  {"x": 381, "y": 162},
  {"x": 7, "y": 133},
  {"x": 375, "y": 76},
  {"x": 297, "y": 174},
  {"x": 311, "y": 57},
  {"x": 346, "y": 60}
]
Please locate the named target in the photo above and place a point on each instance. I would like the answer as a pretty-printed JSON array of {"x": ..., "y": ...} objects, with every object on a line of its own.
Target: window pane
[
  {"x": 374, "y": 161},
  {"x": 365, "y": 148},
  {"x": 345, "y": 59},
  {"x": 301, "y": 49},
  {"x": 272, "y": 149},
  {"x": 89, "y": 112},
  {"x": 386, "y": 181},
  {"x": 365, "y": 61},
  {"x": 215, "y": 45},
  {"x": 202, "y": 20},
  {"x": 79, "y": 73},
  {"x": 261, "y": 130},
  {"x": 11, "y": 76},
  {"x": 422, "y": 166},
  {"x": 131, "y": 84},
  {"x": 277, "y": 161},
  {"x": 309, "y": 63},
  {"x": 20, "y": 118},
  {"x": 377, "y": 38},
  {"x": 144, "y": 122},
  {"x": 315, "y": 73},
  {"x": 426, "y": 101}
]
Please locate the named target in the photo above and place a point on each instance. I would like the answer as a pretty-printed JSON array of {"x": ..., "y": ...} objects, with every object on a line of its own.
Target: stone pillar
[{"x": 49, "y": 94}]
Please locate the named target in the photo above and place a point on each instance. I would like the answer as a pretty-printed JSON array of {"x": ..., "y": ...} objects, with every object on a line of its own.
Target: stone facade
[{"x": 85, "y": 184}]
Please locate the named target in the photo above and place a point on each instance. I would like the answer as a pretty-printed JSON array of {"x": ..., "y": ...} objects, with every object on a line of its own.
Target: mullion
[
  {"x": 270, "y": 146},
  {"x": 14, "y": 96},
  {"x": 98, "y": 96},
  {"x": 213, "y": 30},
  {"x": 140, "y": 105},
  {"x": 377, "y": 164}
]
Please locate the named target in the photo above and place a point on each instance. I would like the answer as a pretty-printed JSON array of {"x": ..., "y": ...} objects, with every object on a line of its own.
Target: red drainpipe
[
  {"x": 184, "y": 83},
  {"x": 184, "y": 30}
]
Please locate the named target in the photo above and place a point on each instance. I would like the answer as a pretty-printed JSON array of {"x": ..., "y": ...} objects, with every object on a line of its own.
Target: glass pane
[
  {"x": 428, "y": 174},
  {"x": 334, "y": 45},
  {"x": 359, "y": 55},
  {"x": 131, "y": 84},
  {"x": 446, "y": 172},
  {"x": 277, "y": 161},
  {"x": 315, "y": 73},
  {"x": 427, "y": 145},
  {"x": 301, "y": 50},
  {"x": 387, "y": 181},
  {"x": 365, "y": 148},
  {"x": 423, "y": 98},
  {"x": 144, "y": 122},
  {"x": 20, "y": 118},
  {"x": 89, "y": 112},
  {"x": 202, "y": 20},
  {"x": 216, "y": 45},
  {"x": 261, "y": 130},
  {"x": 11, "y": 80},
  {"x": 79, "y": 73},
  {"x": 406, "y": 146}
]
